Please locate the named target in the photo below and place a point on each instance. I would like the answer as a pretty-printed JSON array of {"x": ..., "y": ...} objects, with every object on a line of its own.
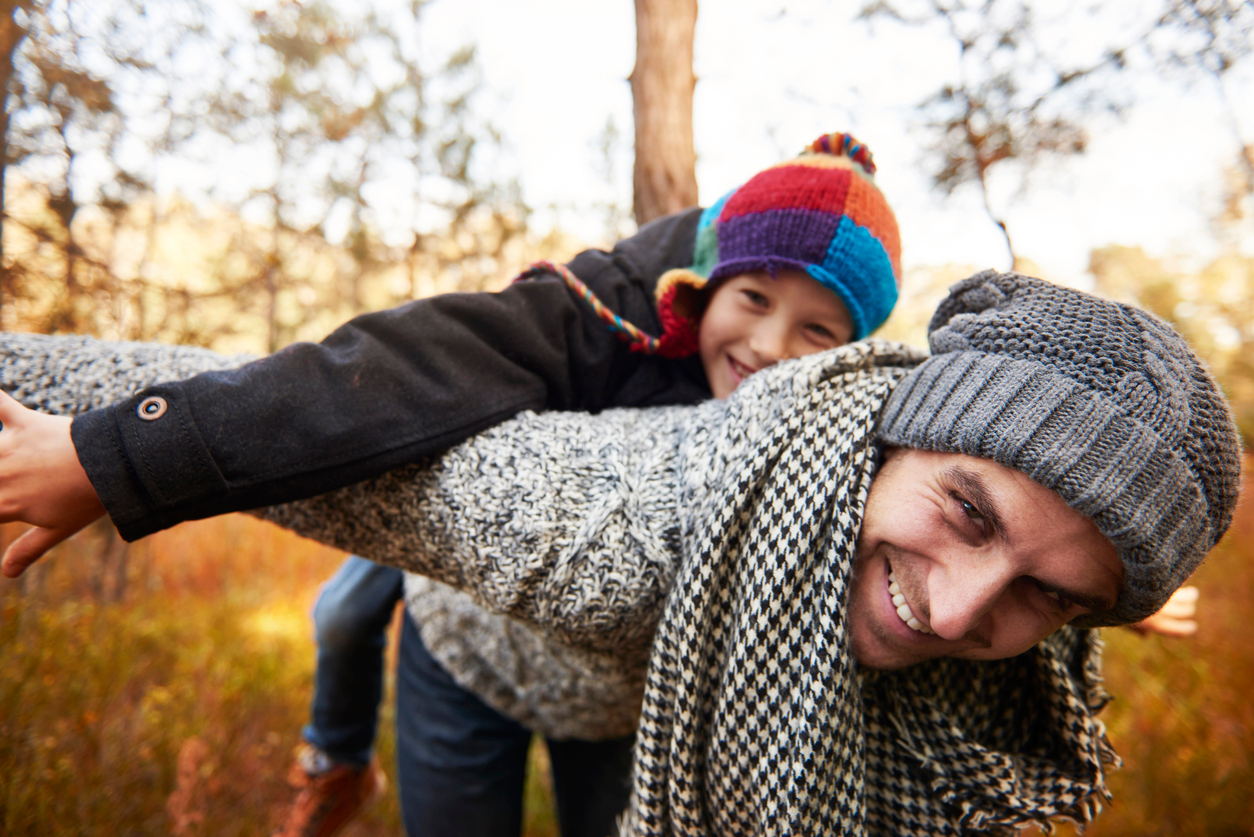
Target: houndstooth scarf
[
  {"x": 730, "y": 528},
  {"x": 756, "y": 719}
]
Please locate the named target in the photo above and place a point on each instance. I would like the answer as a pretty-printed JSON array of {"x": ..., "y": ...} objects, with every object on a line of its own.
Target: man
[{"x": 860, "y": 584}]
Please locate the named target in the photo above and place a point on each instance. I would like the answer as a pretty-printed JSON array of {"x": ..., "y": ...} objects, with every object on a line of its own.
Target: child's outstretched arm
[
  {"x": 41, "y": 483},
  {"x": 388, "y": 388},
  {"x": 1177, "y": 618}
]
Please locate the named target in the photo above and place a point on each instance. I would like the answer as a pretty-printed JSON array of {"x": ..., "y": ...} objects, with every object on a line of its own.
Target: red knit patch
[
  {"x": 679, "y": 334},
  {"x": 791, "y": 187}
]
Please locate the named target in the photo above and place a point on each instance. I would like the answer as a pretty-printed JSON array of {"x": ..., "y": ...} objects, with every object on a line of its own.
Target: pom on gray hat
[{"x": 1101, "y": 402}]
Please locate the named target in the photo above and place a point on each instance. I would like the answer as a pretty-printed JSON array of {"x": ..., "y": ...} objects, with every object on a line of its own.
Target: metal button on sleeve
[{"x": 152, "y": 408}]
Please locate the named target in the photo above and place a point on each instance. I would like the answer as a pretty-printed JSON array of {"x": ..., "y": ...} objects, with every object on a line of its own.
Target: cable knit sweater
[{"x": 714, "y": 544}]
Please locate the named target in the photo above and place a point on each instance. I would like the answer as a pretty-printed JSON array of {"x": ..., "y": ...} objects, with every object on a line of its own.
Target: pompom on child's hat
[{"x": 820, "y": 213}]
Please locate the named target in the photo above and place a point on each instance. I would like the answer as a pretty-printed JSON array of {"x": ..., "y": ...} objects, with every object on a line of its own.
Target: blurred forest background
[{"x": 159, "y": 687}]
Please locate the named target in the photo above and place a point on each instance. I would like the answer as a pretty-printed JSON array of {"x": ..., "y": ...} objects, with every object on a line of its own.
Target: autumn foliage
[{"x": 160, "y": 688}]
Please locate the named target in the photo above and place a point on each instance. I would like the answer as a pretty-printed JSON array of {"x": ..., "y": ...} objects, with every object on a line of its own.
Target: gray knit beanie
[{"x": 1101, "y": 402}]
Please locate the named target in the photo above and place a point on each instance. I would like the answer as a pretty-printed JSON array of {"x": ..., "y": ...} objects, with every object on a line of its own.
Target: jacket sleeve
[{"x": 386, "y": 389}]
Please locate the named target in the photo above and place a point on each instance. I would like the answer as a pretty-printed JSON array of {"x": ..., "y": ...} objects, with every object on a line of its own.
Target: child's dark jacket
[{"x": 389, "y": 388}]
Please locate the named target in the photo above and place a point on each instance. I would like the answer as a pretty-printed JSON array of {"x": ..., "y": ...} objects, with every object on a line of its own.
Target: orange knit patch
[{"x": 866, "y": 207}]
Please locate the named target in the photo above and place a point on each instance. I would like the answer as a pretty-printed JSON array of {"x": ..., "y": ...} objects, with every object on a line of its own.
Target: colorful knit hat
[{"x": 820, "y": 213}]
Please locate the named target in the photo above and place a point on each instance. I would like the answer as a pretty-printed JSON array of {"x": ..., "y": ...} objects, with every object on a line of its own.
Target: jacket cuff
[{"x": 144, "y": 455}]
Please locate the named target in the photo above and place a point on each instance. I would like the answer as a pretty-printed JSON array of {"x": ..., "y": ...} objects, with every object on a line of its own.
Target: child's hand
[
  {"x": 1176, "y": 618},
  {"x": 41, "y": 483}
]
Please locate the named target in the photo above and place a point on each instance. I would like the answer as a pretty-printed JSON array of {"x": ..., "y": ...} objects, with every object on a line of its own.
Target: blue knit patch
[
  {"x": 858, "y": 269},
  {"x": 705, "y": 253}
]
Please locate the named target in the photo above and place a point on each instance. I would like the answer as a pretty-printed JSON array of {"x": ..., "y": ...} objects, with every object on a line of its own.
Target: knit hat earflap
[
  {"x": 1100, "y": 402},
  {"x": 820, "y": 213}
]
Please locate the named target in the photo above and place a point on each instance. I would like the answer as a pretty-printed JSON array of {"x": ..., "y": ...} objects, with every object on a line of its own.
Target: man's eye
[
  {"x": 1056, "y": 598},
  {"x": 971, "y": 512}
]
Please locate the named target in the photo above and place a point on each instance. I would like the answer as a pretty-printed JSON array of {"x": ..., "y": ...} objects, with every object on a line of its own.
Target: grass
[{"x": 160, "y": 689}]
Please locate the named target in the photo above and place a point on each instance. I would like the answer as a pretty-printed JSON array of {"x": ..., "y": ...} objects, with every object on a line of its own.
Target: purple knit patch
[
  {"x": 801, "y": 235},
  {"x": 750, "y": 264}
]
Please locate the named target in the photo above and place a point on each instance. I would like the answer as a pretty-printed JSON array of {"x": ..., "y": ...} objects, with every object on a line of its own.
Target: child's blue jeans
[
  {"x": 350, "y": 626},
  {"x": 460, "y": 763}
]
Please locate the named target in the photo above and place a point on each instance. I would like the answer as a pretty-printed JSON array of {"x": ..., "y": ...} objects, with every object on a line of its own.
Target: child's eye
[
  {"x": 822, "y": 332},
  {"x": 756, "y": 298}
]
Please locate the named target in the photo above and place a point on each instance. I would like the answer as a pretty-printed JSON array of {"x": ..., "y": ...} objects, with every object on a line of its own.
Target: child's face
[{"x": 753, "y": 321}]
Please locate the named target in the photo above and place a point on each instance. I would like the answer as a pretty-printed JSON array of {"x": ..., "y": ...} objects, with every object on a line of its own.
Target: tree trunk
[
  {"x": 11, "y": 36},
  {"x": 662, "y": 83}
]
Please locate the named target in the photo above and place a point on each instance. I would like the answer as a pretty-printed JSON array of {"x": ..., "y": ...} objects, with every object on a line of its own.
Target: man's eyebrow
[
  {"x": 1094, "y": 603},
  {"x": 975, "y": 491}
]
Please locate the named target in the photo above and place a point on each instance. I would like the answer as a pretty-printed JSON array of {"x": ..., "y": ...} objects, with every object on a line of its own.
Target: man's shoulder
[
  {"x": 840, "y": 391},
  {"x": 854, "y": 364},
  {"x": 876, "y": 353}
]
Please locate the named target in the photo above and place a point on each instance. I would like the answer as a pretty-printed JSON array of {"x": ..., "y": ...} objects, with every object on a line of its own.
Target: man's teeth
[{"x": 903, "y": 609}]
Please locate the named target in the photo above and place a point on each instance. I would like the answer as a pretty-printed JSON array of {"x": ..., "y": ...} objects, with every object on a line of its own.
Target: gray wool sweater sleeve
[{"x": 568, "y": 521}]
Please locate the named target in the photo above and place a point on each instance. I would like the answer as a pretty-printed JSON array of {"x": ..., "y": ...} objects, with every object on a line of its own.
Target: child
[{"x": 803, "y": 257}]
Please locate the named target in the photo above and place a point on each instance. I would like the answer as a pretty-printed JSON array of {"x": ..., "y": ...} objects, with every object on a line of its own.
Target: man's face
[
  {"x": 754, "y": 321},
  {"x": 962, "y": 557}
]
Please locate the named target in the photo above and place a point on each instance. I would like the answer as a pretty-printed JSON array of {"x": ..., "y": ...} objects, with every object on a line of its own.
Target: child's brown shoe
[{"x": 331, "y": 793}]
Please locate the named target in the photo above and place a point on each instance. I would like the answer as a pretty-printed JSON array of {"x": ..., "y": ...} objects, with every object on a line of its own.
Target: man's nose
[{"x": 960, "y": 599}]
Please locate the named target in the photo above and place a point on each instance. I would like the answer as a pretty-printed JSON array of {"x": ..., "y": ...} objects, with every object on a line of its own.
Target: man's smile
[{"x": 903, "y": 607}]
